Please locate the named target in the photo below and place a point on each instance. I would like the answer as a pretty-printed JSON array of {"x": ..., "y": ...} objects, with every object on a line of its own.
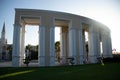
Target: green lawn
[{"x": 110, "y": 71}]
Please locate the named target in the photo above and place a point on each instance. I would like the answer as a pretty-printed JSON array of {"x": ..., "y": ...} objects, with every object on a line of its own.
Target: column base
[
  {"x": 81, "y": 59},
  {"x": 63, "y": 60},
  {"x": 72, "y": 60},
  {"x": 92, "y": 59},
  {"x": 41, "y": 61},
  {"x": 52, "y": 61},
  {"x": 107, "y": 56},
  {"x": 110, "y": 55},
  {"x": 22, "y": 59},
  {"x": 16, "y": 62}
]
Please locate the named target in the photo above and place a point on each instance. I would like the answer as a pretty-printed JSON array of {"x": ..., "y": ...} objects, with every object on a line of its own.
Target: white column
[
  {"x": 52, "y": 46},
  {"x": 16, "y": 46},
  {"x": 63, "y": 45},
  {"x": 85, "y": 55},
  {"x": 72, "y": 44},
  {"x": 92, "y": 45},
  {"x": 109, "y": 46},
  {"x": 104, "y": 44},
  {"x": 22, "y": 43},
  {"x": 41, "y": 55},
  {"x": 80, "y": 46},
  {"x": 98, "y": 44}
]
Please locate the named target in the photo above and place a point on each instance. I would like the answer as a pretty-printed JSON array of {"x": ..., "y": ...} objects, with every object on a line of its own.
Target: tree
[
  {"x": 29, "y": 47},
  {"x": 57, "y": 50},
  {"x": 9, "y": 47},
  {"x": 57, "y": 46},
  {"x": 33, "y": 52}
]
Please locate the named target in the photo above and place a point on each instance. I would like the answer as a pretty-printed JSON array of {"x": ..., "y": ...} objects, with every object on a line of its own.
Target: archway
[{"x": 31, "y": 43}]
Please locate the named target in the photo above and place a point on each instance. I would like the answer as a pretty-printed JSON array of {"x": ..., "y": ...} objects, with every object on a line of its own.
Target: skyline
[{"x": 104, "y": 11}]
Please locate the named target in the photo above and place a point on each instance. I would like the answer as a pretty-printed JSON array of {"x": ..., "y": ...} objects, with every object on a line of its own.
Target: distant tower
[{"x": 3, "y": 44}]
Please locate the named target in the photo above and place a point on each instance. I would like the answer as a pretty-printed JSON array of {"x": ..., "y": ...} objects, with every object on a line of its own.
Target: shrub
[
  {"x": 114, "y": 59},
  {"x": 34, "y": 55}
]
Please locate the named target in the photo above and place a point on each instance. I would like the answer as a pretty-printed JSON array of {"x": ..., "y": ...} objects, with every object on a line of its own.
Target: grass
[{"x": 108, "y": 71}]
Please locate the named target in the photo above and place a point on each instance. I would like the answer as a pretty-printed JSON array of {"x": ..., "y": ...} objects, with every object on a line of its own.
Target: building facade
[
  {"x": 73, "y": 44},
  {"x": 3, "y": 45}
]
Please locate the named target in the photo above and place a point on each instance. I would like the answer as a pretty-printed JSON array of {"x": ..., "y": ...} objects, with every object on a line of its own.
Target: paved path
[
  {"x": 33, "y": 63},
  {"x": 6, "y": 64}
]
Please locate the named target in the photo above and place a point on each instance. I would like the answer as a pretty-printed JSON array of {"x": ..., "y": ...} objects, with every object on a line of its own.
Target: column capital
[
  {"x": 91, "y": 30},
  {"x": 104, "y": 32},
  {"x": 71, "y": 28},
  {"x": 17, "y": 25},
  {"x": 41, "y": 25},
  {"x": 64, "y": 29},
  {"x": 94, "y": 29},
  {"x": 47, "y": 26}
]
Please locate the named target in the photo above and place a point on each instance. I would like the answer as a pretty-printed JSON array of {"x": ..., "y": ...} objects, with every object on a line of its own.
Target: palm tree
[
  {"x": 57, "y": 50},
  {"x": 9, "y": 48},
  {"x": 29, "y": 47},
  {"x": 57, "y": 46}
]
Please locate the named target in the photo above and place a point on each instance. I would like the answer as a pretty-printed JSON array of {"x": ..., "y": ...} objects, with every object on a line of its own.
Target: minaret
[
  {"x": 3, "y": 35},
  {"x": 3, "y": 44}
]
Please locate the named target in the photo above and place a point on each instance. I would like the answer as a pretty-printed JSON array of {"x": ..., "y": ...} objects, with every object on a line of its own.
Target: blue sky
[{"x": 104, "y": 11}]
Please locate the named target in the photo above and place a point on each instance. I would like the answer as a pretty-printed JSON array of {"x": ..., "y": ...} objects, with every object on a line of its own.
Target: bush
[
  {"x": 116, "y": 55},
  {"x": 34, "y": 55},
  {"x": 114, "y": 59}
]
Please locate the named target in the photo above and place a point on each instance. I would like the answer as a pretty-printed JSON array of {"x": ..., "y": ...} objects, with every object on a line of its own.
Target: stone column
[
  {"x": 16, "y": 46},
  {"x": 63, "y": 44},
  {"x": 52, "y": 46},
  {"x": 109, "y": 46},
  {"x": 107, "y": 51},
  {"x": 98, "y": 44},
  {"x": 41, "y": 50},
  {"x": 72, "y": 44},
  {"x": 22, "y": 43},
  {"x": 92, "y": 45},
  {"x": 85, "y": 55},
  {"x": 80, "y": 38},
  {"x": 104, "y": 44},
  {"x": 47, "y": 41}
]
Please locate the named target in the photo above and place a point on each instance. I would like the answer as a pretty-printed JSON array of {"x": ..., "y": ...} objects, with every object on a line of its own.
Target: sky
[{"x": 104, "y": 11}]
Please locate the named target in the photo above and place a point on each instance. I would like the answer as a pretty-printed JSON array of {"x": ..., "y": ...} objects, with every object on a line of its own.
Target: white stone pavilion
[{"x": 73, "y": 28}]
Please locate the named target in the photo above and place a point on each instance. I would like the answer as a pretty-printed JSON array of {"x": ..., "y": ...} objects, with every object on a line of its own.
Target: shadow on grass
[
  {"x": 109, "y": 71},
  {"x": 15, "y": 74}
]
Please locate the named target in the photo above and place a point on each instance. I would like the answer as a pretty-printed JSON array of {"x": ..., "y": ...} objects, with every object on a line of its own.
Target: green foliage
[
  {"x": 116, "y": 55},
  {"x": 29, "y": 47},
  {"x": 9, "y": 47},
  {"x": 34, "y": 54},
  {"x": 109, "y": 71},
  {"x": 57, "y": 46},
  {"x": 26, "y": 61}
]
